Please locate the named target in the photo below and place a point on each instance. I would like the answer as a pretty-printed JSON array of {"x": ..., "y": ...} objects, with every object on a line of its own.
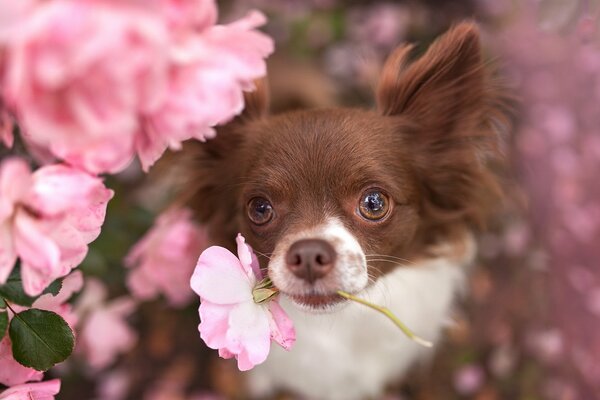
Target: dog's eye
[
  {"x": 260, "y": 210},
  {"x": 374, "y": 205}
]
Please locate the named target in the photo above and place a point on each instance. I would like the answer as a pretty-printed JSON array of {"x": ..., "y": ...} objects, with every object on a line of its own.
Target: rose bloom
[
  {"x": 104, "y": 332},
  {"x": 47, "y": 219},
  {"x": 78, "y": 73},
  {"x": 96, "y": 82},
  {"x": 230, "y": 320},
  {"x": 164, "y": 259}
]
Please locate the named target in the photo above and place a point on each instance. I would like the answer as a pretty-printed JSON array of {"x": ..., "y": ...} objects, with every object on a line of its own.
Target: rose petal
[
  {"x": 219, "y": 277},
  {"x": 282, "y": 328}
]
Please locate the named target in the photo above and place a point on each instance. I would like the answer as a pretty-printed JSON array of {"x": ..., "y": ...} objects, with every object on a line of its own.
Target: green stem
[{"x": 386, "y": 311}]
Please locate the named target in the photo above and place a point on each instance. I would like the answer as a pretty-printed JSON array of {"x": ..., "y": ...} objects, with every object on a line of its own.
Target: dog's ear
[
  {"x": 451, "y": 110},
  {"x": 256, "y": 101},
  {"x": 441, "y": 89}
]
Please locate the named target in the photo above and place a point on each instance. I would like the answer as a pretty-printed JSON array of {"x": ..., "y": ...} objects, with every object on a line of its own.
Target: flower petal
[
  {"x": 249, "y": 334},
  {"x": 8, "y": 255},
  {"x": 282, "y": 328},
  {"x": 219, "y": 277},
  {"x": 248, "y": 258},
  {"x": 214, "y": 323},
  {"x": 39, "y": 255}
]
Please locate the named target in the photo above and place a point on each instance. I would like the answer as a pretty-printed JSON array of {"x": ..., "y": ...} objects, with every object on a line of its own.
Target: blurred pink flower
[
  {"x": 103, "y": 333},
  {"x": 32, "y": 391},
  {"x": 164, "y": 259},
  {"x": 209, "y": 71},
  {"x": 230, "y": 319},
  {"x": 47, "y": 218},
  {"x": 469, "y": 379},
  {"x": 78, "y": 73},
  {"x": 97, "y": 81}
]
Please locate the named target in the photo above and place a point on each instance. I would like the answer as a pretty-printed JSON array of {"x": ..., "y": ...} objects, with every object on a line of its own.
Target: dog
[{"x": 383, "y": 203}]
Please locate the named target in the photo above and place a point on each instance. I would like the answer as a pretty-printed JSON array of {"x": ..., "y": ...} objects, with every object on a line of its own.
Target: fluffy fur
[{"x": 427, "y": 146}]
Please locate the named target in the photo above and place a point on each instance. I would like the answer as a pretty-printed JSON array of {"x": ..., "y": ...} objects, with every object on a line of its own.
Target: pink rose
[
  {"x": 95, "y": 81},
  {"x": 47, "y": 219},
  {"x": 32, "y": 391},
  {"x": 104, "y": 333},
  {"x": 230, "y": 319},
  {"x": 209, "y": 72},
  {"x": 164, "y": 259},
  {"x": 80, "y": 72}
]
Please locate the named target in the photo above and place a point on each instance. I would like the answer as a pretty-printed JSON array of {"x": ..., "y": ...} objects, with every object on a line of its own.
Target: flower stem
[{"x": 386, "y": 311}]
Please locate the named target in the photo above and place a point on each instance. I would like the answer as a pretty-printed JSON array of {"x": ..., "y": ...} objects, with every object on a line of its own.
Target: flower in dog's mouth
[
  {"x": 239, "y": 310},
  {"x": 239, "y": 314}
]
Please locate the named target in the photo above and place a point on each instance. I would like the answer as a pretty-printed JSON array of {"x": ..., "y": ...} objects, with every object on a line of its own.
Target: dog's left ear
[
  {"x": 443, "y": 88},
  {"x": 256, "y": 102}
]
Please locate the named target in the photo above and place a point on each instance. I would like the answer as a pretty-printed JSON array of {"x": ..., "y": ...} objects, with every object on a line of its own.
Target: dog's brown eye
[
  {"x": 260, "y": 210},
  {"x": 373, "y": 205}
]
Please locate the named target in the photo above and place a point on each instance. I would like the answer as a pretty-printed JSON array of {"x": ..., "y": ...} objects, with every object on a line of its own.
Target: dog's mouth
[{"x": 317, "y": 302}]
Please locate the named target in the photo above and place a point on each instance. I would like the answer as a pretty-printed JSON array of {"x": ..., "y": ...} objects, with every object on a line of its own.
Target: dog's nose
[{"x": 310, "y": 259}]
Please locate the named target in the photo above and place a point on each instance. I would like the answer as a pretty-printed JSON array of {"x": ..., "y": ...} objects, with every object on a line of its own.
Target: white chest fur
[{"x": 354, "y": 352}]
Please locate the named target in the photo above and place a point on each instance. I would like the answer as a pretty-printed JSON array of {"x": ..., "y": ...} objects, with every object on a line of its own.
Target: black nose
[{"x": 310, "y": 259}]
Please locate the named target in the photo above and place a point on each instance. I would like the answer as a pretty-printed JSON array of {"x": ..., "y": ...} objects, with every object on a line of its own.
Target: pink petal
[
  {"x": 282, "y": 328},
  {"x": 214, "y": 323},
  {"x": 247, "y": 258},
  {"x": 39, "y": 255},
  {"x": 8, "y": 255},
  {"x": 249, "y": 334},
  {"x": 11, "y": 372},
  {"x": 219, "y": 277},
  {"x": 32, "y": 391},
  {"x": 15, "y": 181},
  {"x": 59, "y": 188}
]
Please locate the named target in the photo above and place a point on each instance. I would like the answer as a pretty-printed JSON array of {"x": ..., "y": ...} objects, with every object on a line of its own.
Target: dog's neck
[{"x": 354, "y": 352}]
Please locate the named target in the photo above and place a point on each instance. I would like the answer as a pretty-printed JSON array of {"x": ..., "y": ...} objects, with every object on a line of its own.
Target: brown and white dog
[{"x": 379, "y": 203}]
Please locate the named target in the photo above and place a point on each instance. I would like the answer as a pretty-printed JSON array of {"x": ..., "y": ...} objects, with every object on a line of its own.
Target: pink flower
[
  {"x": 80, "y": 72},
  {"x": 104, "y": 333},
  {"x": 96, "y": 82},
  {"x": 32, "y": 391},
  {"x": 469, "y": 379},
  {"x": 164, "y": 259},
  {"x": 230, "y": 319},
  {"x": 47, "y": 218},
  {"x": 209, "y": 71}
]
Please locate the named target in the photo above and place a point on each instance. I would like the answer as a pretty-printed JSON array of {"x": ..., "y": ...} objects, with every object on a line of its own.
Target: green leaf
[
  {"x": 54, "y": 287},
  {"x": 2, "y": 303},
  {"x": 3, "y": 323},
  {"x": 13, "y": 291},
  {"x": 40, "y": 339}
]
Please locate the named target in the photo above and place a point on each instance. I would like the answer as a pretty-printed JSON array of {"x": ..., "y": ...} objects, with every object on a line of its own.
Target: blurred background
[{"x": 530, "y": 326}]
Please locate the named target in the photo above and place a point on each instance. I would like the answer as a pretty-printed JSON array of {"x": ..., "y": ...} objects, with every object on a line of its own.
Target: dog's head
[{"x": 332, "y": 198}]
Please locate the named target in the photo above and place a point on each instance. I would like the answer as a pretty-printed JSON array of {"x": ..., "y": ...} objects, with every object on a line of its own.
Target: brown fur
[{"x": 427, "y": 145}]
